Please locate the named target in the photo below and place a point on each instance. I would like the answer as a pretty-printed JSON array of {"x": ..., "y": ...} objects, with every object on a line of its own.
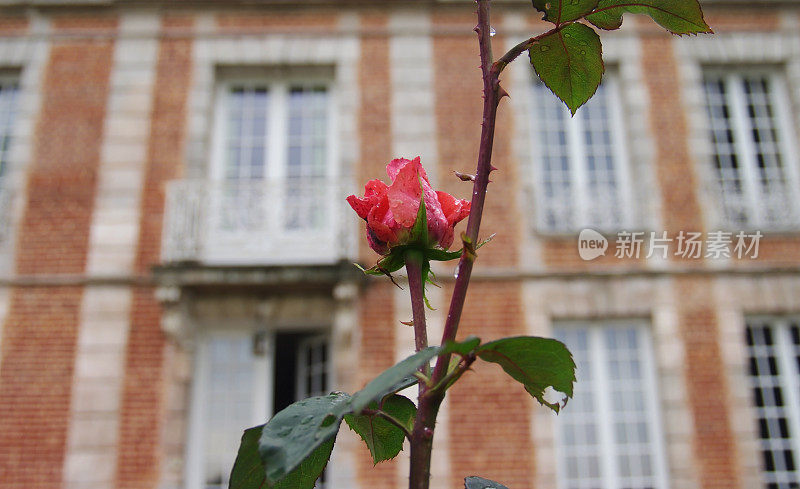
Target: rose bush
[{"x": 391, "y": 210}]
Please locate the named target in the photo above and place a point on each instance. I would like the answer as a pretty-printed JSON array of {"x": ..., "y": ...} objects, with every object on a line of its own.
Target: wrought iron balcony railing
[{"x": 258, "y": 222}]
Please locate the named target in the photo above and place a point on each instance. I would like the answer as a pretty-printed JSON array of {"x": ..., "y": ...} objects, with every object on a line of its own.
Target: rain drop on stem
[{"x": 492, "y": 32}]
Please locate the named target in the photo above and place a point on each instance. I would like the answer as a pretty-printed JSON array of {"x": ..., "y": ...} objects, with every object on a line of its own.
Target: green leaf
[
  {"x": 383, "y": 438},
  {"x": 295, "y": 433},
  {"x": 248, "y": 471},
  {"x": 474, "y": 482},
  {"x": 560, "y": 11},
  {"x": 306, "y": 474},
  {"x": 463, "y": 348},
  {"x": 570, "y": 62},
  {"x": 677, "y": 16},
  {"x": 537, "y": 363},
  {"x": 386, "y": 383}
]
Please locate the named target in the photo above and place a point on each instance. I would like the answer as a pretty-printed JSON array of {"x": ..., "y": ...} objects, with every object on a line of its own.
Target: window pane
[
  {"x": 602, "y": 180},
  {"x": 306, "y": 164},
  {"x": 770, "y": 346},
  {"x": 246, "y": 132},
  {"x": 228, "y": 402},
  {"x": 556, "y": 201},
  {"x": 8, "y": 106}
]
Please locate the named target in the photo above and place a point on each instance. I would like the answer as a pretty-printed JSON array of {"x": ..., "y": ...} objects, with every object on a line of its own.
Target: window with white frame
[
  {"x": 242, "y": 379},
  {"x": 609, "y": 435},
  {"x": 754, "y": 159},
  {"x": 273, "y": 153},
  {"x": 773, "y": 346},
  {"x": 580, "y": 162},
  {"x": 9, "y": 88}
]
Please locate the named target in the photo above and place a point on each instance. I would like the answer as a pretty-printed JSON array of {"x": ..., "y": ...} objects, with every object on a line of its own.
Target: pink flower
[{"x": 391, "y": 210}]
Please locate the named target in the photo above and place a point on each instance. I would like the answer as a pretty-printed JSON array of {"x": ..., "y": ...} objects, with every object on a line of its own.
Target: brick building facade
[{"x": 175, "y": 248}]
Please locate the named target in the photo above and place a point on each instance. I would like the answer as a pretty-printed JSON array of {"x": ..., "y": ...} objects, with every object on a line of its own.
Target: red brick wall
[
  {"x": 674, "y": 165},
  {"x": 40, "y": 334},
  {"x": 707, "y": 390},
  {"x": 13, "y": 25},
  {"x": 143, "y": 392},
  {"x": 737, "y": 20},
  {"x": 301, "y": 21},
  {"x": 490, "y": 414},
  {"x": 377, "y": 353}
]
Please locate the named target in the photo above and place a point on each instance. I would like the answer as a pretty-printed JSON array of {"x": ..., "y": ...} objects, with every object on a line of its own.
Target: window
[
  {"x": 8, "y": 106},
  {"x": 609, "y": 434},
  {"x": 773, "y": 347},
  {"x": 9, "y": 89},
  {"x": 581, "y": 164},
  {"x": 241, "y": 380},
  {"x": 272, "y": 164},
  {"x": 751, "y": 139}
]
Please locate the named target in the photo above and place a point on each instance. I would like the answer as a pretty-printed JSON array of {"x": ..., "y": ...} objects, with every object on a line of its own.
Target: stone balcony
[{"x": 258, "y": 223}]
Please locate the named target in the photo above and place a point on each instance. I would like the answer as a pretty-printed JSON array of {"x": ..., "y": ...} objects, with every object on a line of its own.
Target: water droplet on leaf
[
  {"x": 548, "y": 6},
  {"x": 583, "y": 52}
]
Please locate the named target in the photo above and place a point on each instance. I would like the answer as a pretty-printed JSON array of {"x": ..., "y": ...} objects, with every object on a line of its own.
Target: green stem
[{"x": 415, "y": 261}]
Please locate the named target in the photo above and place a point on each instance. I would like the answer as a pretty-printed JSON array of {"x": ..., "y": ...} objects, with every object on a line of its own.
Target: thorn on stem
[
  {"x": 408, "y": 323},
  {"x": 501, "y": 92}
]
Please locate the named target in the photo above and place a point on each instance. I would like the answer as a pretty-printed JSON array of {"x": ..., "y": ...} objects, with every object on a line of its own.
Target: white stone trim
[
  {"x": 92, "y": 446},
  {"x": 413, "y": 118}
]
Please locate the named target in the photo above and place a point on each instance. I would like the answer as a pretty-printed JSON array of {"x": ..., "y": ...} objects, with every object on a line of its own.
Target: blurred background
[{"x": 176, "y": 251}]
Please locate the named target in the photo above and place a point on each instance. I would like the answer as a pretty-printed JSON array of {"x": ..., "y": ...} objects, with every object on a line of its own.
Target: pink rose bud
[{"x": 391, "y": 210}]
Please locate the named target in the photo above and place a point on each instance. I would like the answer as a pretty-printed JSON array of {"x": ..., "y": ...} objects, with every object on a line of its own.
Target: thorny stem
[{"x": 431, "y": 400}]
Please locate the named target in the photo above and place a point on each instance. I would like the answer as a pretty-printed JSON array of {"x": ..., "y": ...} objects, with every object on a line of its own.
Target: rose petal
[
  {"x": 404, "y": 195},
  {"x": 374, "y": 190},
  {"x": 394, "y": 167},
  {"x": 381, "y": 222},
  {"x": 454, "y": 209}
]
